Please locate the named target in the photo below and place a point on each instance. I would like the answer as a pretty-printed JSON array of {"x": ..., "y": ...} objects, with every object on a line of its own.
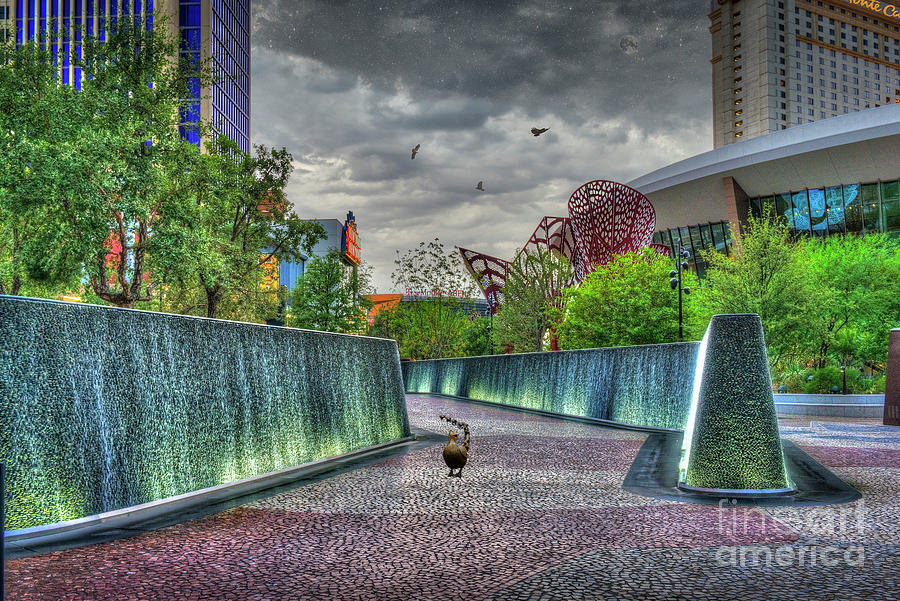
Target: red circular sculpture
[{"x": 610, "y": 219}]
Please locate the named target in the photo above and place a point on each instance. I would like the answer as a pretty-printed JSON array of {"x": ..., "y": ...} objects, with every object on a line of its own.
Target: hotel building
[
  {"x": 810, "y": 90},
  {"x": 214, "y": 29},
  {"x": 777, "y": 64}
]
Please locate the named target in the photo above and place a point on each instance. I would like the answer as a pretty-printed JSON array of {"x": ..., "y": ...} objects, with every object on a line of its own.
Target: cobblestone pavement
[{"x": 538, "y": 514}]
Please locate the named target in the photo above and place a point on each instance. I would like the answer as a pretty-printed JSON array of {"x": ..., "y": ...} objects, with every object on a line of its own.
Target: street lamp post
[
  {"x": 491, "y": 302},
  {"x": 844, "y": 378},
  {"x": 675, "y": 279}
]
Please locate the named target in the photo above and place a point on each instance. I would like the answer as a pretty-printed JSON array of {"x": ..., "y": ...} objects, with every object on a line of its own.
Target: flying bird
[
  {"x": 538, "y": 132},
  {"x": 414, "y": 151},
  {"x": 480, "y": 186}
]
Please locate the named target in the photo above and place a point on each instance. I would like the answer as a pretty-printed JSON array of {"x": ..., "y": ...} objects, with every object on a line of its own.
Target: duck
[{"x": 456, "y": 453}]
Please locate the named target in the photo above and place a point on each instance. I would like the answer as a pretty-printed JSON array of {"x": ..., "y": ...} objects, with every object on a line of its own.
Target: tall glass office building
[{"x": 217, "y": 29}]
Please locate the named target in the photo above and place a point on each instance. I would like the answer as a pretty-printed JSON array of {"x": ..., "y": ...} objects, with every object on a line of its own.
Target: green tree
[
  {"x": 532, "y": 299},
  {"x": 627, "y": 301},
  {"x": 435, "y": 322},
  {"x": 232, "y": 222},
  {"x": 328, "y": 297},
  {"x": 35, "y": 129},
  {"x": 857, "y": 279},
  {"x": 99, "y": 180},
  {"x": 764, "y": 274}
]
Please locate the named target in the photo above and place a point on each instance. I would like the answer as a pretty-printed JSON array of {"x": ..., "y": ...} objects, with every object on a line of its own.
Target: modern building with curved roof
[{"x": 835, "y": 175}]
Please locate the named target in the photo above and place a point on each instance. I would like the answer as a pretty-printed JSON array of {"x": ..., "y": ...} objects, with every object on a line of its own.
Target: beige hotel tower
[{"x": 781, "y": 63}]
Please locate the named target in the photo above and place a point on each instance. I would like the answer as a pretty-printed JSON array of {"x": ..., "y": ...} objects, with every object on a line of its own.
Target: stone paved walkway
[{"x": 538, "y": 514}]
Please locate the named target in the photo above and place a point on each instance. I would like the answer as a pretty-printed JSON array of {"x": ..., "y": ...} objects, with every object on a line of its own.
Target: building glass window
[
  {"x": 871, "y": 208},
  {"x": 852, "y": 209},
  {"x": 834, "y": 202},
  {"x": 783, "y": 208},
  {"x": 718, "y": 237},
  {"x": 818, "y": 212},
  {"x": 800, "y": 210},
  {"x": 890, "y": 207}
]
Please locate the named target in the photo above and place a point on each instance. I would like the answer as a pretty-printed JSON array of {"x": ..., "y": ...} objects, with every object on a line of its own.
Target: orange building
[{"x": 380, "y": 302}]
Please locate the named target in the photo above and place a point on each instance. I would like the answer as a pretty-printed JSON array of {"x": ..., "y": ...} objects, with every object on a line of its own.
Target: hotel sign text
[{"x": 889, "y": 10}]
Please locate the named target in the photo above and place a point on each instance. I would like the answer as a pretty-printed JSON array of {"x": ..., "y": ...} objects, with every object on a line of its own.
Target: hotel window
[
  {"x": 738, "y": 134},
  {"x": 738, "y": 112}
]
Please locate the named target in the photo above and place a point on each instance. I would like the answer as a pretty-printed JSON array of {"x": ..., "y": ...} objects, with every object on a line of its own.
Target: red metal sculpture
[
  {"x": 490, "y": 274},
  {"x": 610, "y": 219},
  {"x": 606, "y": 218}
]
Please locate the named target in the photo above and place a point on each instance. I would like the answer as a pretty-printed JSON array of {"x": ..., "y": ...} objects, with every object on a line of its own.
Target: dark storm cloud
[
  {"x": 556, "y": 56},
  {"x": 350, "y": 87}
]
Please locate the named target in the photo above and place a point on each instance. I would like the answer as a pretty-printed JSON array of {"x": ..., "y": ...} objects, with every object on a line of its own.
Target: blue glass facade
[
  {"x": 230, "y": 52},
  {"x": 694, "y": 238},
  {"x": 227, "y": 42},
  {"x": 852, "y": 208},
  {"x": 189, "y": 23}
]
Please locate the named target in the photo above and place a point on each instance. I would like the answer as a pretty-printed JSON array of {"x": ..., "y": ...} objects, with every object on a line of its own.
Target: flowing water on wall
[
  {"x": 105, "y": 408},
  {"x": 643, "y": 385}
]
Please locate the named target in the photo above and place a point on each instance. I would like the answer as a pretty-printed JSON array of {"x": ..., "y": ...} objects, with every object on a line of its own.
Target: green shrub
[{"x": 826, "y": 378}]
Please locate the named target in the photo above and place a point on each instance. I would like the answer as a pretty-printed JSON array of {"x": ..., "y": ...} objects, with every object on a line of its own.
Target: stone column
[{"x": 892, "y": 387}]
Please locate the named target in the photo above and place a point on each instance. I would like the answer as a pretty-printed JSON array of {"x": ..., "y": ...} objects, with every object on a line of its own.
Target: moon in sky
[{"x": 629, "y": 44}]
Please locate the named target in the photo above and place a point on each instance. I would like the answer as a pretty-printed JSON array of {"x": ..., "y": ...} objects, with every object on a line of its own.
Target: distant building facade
[
  {"x": 778, "y": 64},
  {"x": 339, "y": 236},
  {"x": 214, "y": 29}
]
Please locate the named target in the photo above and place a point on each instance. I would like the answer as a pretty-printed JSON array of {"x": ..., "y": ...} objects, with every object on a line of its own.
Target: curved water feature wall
[
  {"x": 105, "y": 408},
  {"x": 643, "y": 385}
]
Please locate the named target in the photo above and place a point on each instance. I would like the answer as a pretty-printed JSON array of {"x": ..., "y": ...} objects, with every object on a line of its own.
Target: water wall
[
  {"x": 104, "y": 408},
  {"x": 646, "y": 385}
]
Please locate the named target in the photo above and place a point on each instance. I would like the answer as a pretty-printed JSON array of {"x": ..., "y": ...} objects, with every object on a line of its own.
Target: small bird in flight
[
  {"x": 414, "y": 151},
  {"x": 538, "y": 132},
  {"x": 480, "y": 186}
]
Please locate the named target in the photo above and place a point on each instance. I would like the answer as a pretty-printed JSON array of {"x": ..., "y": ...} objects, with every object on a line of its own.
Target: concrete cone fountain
[{"x": 731, "y": 443}]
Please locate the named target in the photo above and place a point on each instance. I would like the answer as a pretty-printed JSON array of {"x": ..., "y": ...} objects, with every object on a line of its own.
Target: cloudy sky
[{"x": 349, "y": 87}]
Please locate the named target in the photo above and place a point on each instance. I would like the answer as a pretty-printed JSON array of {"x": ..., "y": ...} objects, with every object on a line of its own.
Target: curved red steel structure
[
  {"x": 606, "y": 218},
  {"x": 610, "y": 219},
  {"x": 490, "y": 274}
]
